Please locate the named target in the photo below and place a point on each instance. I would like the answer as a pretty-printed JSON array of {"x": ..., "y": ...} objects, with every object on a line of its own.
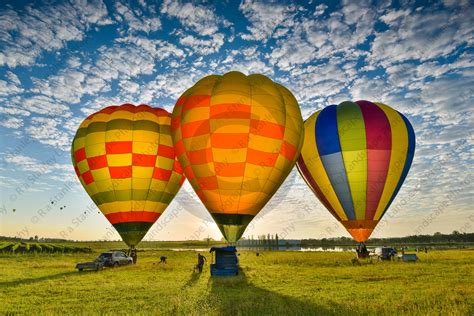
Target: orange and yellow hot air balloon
[
  {"x": 237, "y": 138},
  {"x": 355, "y": 158},
  {"x": 125, "y": 160}
]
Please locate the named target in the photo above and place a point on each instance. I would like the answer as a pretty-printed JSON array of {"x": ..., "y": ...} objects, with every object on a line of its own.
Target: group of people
[
  {"x": 199, "y": 266},
  {"x": 362, "y": 251},
  {"x": 200, "y": 262}
]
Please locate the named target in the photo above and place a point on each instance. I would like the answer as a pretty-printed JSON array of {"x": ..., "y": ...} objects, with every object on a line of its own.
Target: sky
[{"x": 61, "y": 61}]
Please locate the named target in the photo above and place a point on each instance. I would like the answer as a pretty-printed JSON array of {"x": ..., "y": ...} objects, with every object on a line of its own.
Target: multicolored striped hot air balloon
[
  {"x": 237, "y": 138},
  {"x": 125, "y": 160},
  {"x": 355, "y": 158}
]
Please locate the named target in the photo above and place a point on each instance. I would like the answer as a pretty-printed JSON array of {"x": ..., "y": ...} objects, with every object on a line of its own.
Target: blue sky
[{"x": 60, "y": 61}]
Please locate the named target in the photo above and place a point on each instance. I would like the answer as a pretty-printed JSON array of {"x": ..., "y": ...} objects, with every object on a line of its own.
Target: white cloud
[
  {"x": 137, "y": 58},
  {"x": 47, "y": 131},
  {"x": 450, "y": 98},
  {"x": 155, "y": 48},
  {"x": 320, "y": 82},
  {"x": 69, "y": 85},
  {"x": 198, "y": 18},
  {"x": 394, "y": 16},
  {"x": 292, "y": 51},
  {"x": 136, "y": 20},
  {"x": 168, "y": 85},
  {"x": 43, "y": 105},
  {"x": 421, "y": 36},
  {"x": 12, "y": 122},
  {"x": 265, "y": 18},
  {"x": 31, "y": 164},
  {"x": 203, "y": 46},
  {"x": 11, "y": 86},
  {"x": 129, "y": 87},
  {"x": 320, "y": 9},
  {"x": 49, "y": 28}
]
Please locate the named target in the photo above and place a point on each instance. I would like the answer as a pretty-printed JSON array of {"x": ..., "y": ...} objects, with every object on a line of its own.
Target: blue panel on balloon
[{"x": 327, "y": 135}]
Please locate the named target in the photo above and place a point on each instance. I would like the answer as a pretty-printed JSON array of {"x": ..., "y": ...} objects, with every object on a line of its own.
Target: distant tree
[
  {"x": 437, "y": 234},
  {"x": 455, "y": 232},
  {"x": 36, "y": 237}
]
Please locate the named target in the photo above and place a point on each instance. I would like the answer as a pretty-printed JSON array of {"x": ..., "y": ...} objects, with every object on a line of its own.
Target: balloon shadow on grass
[
  {"x": 38, "y": 279},
  {"x": 238, "y": 296}
]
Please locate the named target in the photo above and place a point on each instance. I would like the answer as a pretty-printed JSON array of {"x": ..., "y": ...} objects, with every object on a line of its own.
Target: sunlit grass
[{"x": 273, "y": 283}]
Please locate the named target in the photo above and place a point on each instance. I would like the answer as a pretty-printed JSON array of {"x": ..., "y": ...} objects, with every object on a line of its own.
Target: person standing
[
  {"x": 134, "y": 256},
  {"x": 201, "y": 260}
]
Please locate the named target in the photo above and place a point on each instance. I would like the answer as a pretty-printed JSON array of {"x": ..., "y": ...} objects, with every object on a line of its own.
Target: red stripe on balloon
[
  {"x": 132, "y": 109},
  {"x": 120, "y": 172},
  {"x": 135, "y": 216},
  {"x": 161, "y": 174},
  {"x": 166, "y": 151},
  {"x": 143, "y": 160},
  {"x": 196, "y": 101},
  {"x": 97, "y": 162},
  {"x": 87, "y": 177},
  {"x": 288, "y": 150},
  {"x": 80, "y": 155},
  {"x": 122, "y": 147},
  {"x": 379, "y": 145}
]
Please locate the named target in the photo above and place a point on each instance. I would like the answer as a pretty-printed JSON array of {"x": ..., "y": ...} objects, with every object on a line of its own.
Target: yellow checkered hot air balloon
[
  {"x": 124, "y": 158},
  {"x": 237, "y": 138}
]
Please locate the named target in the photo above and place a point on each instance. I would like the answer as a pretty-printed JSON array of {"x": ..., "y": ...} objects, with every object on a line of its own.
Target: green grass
[{"x": 273, "y": 283}]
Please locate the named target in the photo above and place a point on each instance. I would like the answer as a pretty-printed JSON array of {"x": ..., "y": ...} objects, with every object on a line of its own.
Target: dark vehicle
[
  {"x": 94, "y": 265},
  {"x": 106, "y": 259},
  {"x": 385, "y": 253}
]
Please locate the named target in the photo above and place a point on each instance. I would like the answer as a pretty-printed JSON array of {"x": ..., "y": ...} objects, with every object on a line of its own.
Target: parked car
[
  {"x": 93, "y": 265},
  {"x": 385, "y": 253},
  {"x": 106, "y": 259},
  {"x": 115, "y": 258}
]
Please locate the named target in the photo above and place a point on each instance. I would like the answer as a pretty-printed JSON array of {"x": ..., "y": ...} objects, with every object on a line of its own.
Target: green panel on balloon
[
  {"x": 352, "y": 137},
  {"x": 140, "y": 194},
  {"x": 132, "y": 232},
  {"x": 119, "y": 124},
  {"x": 232, "y": 226},
  {"x": 123, "y": 195}
]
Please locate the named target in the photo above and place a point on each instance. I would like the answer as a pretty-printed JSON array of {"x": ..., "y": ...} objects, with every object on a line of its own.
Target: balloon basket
[{"x": 225, "y": 261}]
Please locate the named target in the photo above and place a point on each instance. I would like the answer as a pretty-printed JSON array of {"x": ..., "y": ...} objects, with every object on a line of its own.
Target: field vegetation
[
  {"x": 39, "y": 247},
  {"x": 276, "y": 282}
]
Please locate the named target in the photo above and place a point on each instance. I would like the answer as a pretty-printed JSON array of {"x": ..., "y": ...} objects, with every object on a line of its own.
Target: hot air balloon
[
  {"x": 237, "y": 138},
  {"x": 125, "y": 160},
  {"x": 355, "y": 158}
]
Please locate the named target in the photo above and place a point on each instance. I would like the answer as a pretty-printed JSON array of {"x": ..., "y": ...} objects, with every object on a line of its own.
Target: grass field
[{"x": 273, "y": 283}]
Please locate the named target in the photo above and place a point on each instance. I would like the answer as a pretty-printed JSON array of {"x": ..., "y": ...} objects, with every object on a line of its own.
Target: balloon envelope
[
  {"x": 125, "y": 160},
  {"x": 355, "y": 158},
  {"x": 237, "y": 138}
]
